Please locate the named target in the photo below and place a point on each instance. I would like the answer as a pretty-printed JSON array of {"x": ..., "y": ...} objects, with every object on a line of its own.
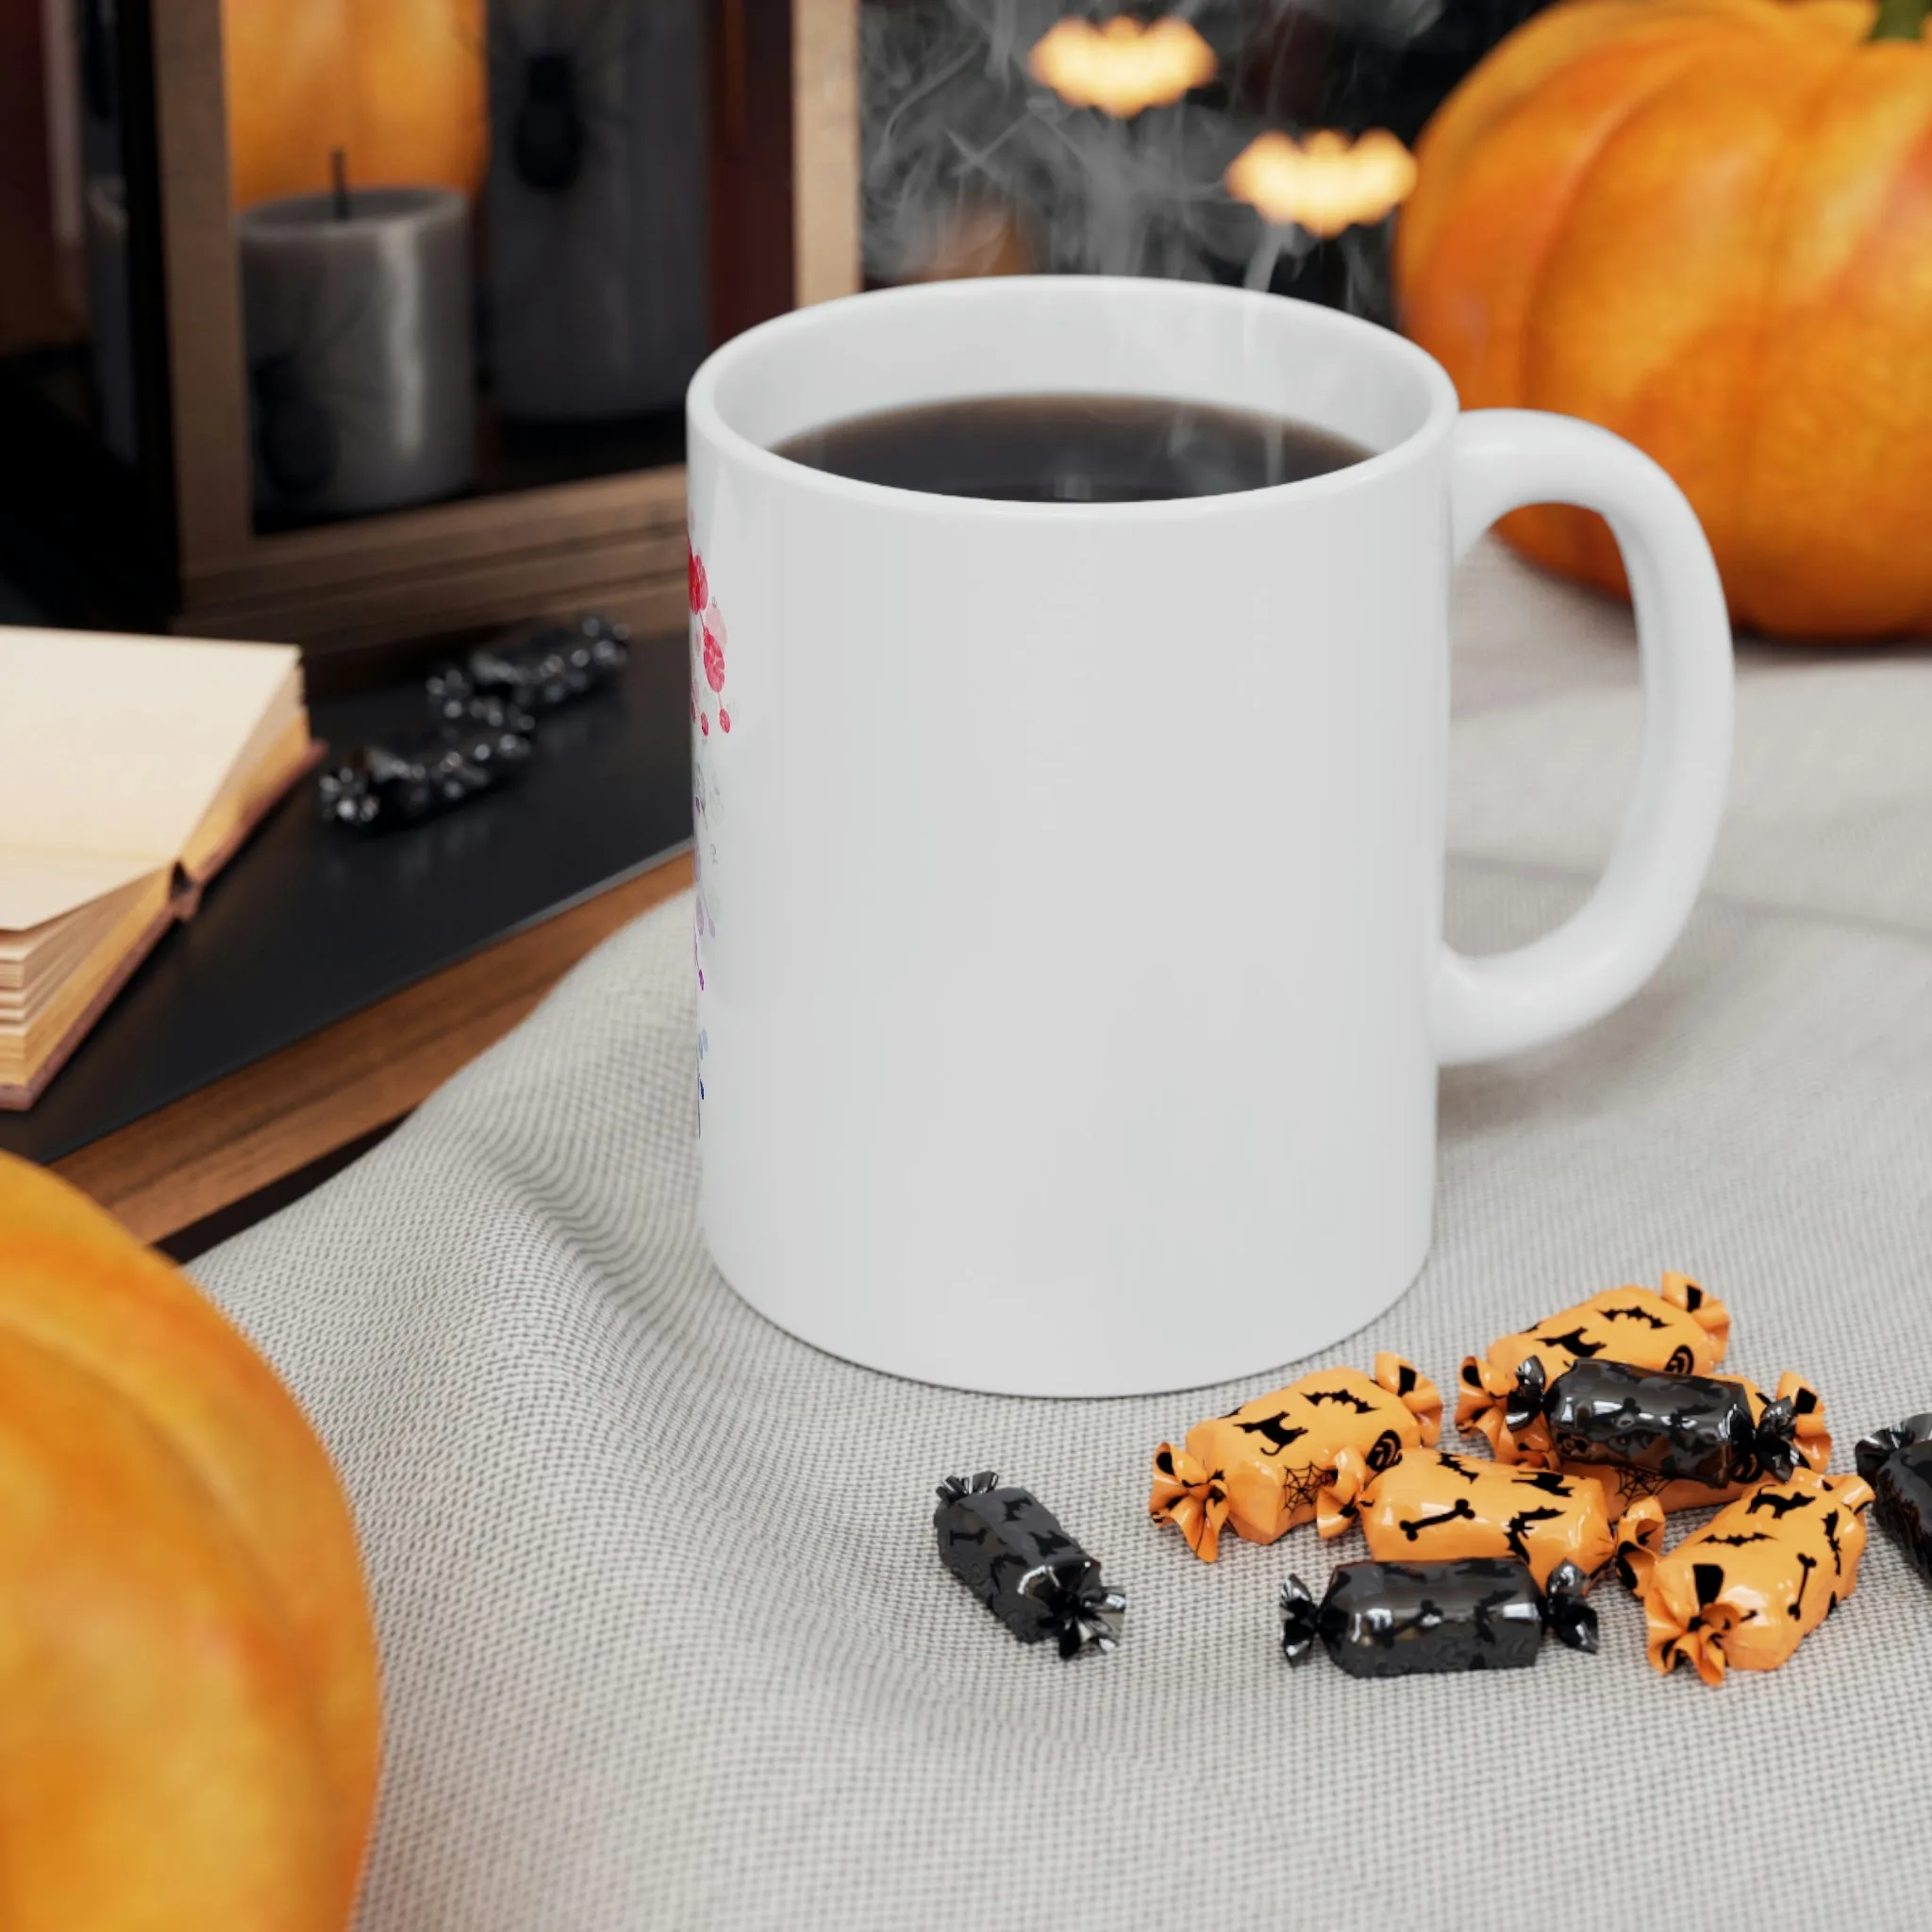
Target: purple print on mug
[{"x": 707, "y": 706}]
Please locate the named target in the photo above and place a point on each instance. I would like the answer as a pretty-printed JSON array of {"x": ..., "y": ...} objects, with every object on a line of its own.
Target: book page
[
  {"x": 112, "y": 750},
  {"x": 254, "y": 787},
  {"x": 25, "y": 1047},
  {"x": 36, "y": 886},
  {"x": 48, "y": 949}
]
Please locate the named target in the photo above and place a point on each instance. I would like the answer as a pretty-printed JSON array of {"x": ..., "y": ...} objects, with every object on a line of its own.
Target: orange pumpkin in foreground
[
  {"x": 1707, "y": 225},
  {"x": 189, "y": 1723}
]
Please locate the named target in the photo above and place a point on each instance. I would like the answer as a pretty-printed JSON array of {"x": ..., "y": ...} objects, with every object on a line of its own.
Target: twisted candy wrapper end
[
  {"x": 954, "y": 1487},
  {"x": 1523, "y": 1406},
  {"x": 1567, "y": 1614},
  {"x": 1338, "y": 1501},
  {"x": 1420, "y": 1395},
  {"x": 1810, "y": 1438},
  {"x": 1705, "y": 1309},
  {"x": 1684, "y": 1630},
  {"x": 1190, "y": 1496},
  {"x": 1875, "y": 1451},
  {"x": 1482, "y": 1397},
  {"x": 1769, "y": 1446},
  {"x": 1298, "y": 1612},
  {"x": 1640, "y": 1543},
  {"x": 1081, "y": 1612}
]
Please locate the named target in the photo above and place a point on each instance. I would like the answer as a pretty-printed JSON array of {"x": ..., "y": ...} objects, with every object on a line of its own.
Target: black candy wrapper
[
  {"x": 1467, "y": 1613},
  {"x": 401, "y": 780},
  {"x": 1898, "y": 1465},
  {"x": 1689, "y": 1428},
  {"x": 1009, "y": 1549},
  {"x": 540, "y": 667}
]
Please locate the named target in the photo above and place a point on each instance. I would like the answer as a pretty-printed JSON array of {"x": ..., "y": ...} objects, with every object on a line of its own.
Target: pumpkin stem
[{"x": 1899, "y": 20}]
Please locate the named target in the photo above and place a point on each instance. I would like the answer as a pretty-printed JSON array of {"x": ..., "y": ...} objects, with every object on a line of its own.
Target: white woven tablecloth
[{"x": 667, "y": 1642}]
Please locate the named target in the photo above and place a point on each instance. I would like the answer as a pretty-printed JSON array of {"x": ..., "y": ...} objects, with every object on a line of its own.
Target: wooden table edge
[{"x": 214, "y": 1148}]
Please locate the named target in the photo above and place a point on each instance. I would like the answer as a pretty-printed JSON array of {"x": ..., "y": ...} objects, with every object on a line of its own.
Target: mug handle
[{"x": 1501, "y": 1003}]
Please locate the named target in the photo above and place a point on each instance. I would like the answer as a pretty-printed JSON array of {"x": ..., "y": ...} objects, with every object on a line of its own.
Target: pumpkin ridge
[
  {"x": 268, "y": 1656},
  {"x": 76, "y": 1285},
  {"x": 1558, "y": 530},
  {"x": 1780, "y": 194},
  {"x": 1441, "y": 180},
  {"x": 1907, "y": 185},
  {"x": 1724, "y": 32},
  {"x": 1462, "y": 127},
  {"x": 351, "y": 1825},
  {"x": 250, "y": 1386}
]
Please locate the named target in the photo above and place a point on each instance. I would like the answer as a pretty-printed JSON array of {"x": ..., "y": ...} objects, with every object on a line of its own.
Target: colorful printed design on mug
[
  {"x": 711, "y": 718},
  {"x": 707, "y": 640}
]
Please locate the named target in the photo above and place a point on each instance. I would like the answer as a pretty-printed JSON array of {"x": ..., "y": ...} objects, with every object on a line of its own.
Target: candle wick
[{"x": 339, "y": 183}]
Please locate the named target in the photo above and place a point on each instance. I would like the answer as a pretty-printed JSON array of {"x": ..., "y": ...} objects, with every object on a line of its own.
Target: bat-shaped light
[
  {"x": 1121, "y": 66},
  {"x": 1325, "y": 183}
]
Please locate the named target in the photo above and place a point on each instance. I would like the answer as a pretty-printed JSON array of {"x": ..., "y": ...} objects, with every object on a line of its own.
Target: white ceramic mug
[{"x": 1072, "y": 982}]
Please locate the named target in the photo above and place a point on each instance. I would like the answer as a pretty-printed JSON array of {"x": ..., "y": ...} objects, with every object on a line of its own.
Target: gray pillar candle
[
  {"x": 595, "y": 204},
  {"x": 361, "y": 372}
]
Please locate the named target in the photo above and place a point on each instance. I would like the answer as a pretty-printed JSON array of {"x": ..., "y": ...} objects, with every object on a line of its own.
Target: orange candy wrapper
[
  {"x": 1429, "y": 1507},
  {"x": 1258, "y": 1470},
  {"x": 1745, "y": 1592},
  {"x": 1681, "y": 1331},
  {"x": 1624, "y": 1486}
]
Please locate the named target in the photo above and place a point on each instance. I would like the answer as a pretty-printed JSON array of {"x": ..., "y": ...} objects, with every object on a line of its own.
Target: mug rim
[{"x": 704, "y": 419}]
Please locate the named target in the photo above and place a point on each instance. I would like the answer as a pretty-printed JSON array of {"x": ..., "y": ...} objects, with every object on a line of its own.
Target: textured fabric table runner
[{"x": 666, "y": 1640}]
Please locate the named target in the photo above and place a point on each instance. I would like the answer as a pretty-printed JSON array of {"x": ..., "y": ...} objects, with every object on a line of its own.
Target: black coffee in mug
[{"x": 1073, "y": 449}]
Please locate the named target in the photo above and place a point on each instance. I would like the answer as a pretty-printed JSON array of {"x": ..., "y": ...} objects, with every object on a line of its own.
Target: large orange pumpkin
[
  {"x": 189, "y": 1724},
  {"x": 398, "y": 85},
  {"x": 1707, "y": 225}
]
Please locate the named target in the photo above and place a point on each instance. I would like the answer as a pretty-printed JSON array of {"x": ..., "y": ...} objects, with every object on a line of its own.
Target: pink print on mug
[
  {"x": 708, "y": 639},
  {"x": 709, "y": 645}
]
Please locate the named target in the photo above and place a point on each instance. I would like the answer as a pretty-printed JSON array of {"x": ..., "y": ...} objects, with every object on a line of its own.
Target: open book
[{"x": 130, "y": 769}]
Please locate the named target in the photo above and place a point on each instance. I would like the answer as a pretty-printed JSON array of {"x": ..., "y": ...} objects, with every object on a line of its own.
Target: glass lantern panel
[{"x": 1258, "y": 141}]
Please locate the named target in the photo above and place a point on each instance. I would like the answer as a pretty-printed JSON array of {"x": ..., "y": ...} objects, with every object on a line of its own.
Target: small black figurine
[
  {"x": 1689, "y": 1428},
  {"x": 547, "y": 139},
  {"x": 1467, "y": 1613},
  {"x": 399, "y": 781},
  {"x": 1009, "y": 1549},
  {"x": 1898, "y": 1465},
  {"x": 538, "y": 669},
  {"x": 485, "y": 711}
]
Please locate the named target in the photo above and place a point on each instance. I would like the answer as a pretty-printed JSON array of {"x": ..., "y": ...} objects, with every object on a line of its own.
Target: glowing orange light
[
  {"x": 1326, "y": 183},
  {"x": 1121, "y": 66}
]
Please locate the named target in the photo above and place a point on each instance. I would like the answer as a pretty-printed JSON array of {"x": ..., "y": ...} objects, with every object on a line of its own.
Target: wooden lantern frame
[{"x": 352, "y": 589}]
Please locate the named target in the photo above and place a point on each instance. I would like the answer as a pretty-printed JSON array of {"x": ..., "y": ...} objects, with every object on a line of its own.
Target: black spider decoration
[{"x": 547, "y": 134}]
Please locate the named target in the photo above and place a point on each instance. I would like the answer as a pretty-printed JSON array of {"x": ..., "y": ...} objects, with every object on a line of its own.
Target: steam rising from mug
[{"x": 973, "y": 165}]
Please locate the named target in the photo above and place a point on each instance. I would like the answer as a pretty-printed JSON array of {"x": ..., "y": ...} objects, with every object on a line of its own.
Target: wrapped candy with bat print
[
  {"x": 1009, "y": 1549},
  {"x": 1259, "y": 1469},
  {"x": 1743, "y": 1592},
  {"x": 1687, "y": 1441},
  {"x": 1473, "y": 1613},
  {"x": 1428, "y": 1505},
  {"x": 1679, "y": 1330},
  {"x": 1898, "y": 1465}
]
